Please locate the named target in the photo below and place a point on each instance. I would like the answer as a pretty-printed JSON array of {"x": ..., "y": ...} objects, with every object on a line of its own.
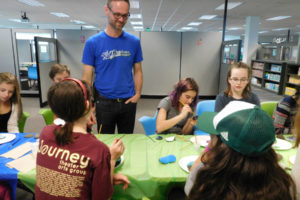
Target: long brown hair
[
  {"x": 182, "y": 86},
  {"x": 9, "y": 78},
  {"x": 229, "y": 175},
  {"x": 239, "y": 65},
  {"x": 67, "y": 100}
]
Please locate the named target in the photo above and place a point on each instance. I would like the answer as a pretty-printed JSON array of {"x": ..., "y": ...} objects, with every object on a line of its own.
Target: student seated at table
[
  {"x": 296, "y": 167},
  {"x": 58, "y": 72},
  {"x": 10, "y": 103},
  {"x": 238, "y": 87},
  {"x": 241, "y": 163},
  {"x": 175, "y": 112},
  {"x": 72, "y": 163},
  {"x": 285, "y": 112}
]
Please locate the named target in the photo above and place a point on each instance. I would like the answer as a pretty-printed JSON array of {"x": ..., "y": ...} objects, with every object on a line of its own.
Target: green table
[{"x": 148, "y": 177}]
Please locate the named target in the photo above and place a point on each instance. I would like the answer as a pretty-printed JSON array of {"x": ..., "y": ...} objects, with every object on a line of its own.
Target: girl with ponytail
[{"x": 71, "y": 162}]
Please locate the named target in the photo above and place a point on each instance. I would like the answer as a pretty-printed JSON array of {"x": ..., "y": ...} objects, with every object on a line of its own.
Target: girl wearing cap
[
  {"x": 241, "y": 163},
  {"x": 238, "y": 87},
  {"x": 10, "y": 103},
  {"x": 71, "y": 162},
  {"x": 296, "y": 168},
  {"x": 175, "y": 112}
]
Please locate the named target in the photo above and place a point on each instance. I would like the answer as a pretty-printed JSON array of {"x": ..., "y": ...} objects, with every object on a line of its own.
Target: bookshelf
[{"x": 269, "y": 75}]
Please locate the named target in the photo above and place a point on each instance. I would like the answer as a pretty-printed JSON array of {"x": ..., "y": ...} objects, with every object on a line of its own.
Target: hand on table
[
  {"x": 116, "y": 149},
  {"x": 121, "y": 179}
]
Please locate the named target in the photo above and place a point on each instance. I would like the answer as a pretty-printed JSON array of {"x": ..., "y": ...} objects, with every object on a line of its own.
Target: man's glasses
[
  {"x": 237, "y": 80},
  {"x": 119, "y": 15}
]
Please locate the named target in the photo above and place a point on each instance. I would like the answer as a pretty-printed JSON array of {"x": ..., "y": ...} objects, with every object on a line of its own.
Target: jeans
[{"x": 110, "y": 112}]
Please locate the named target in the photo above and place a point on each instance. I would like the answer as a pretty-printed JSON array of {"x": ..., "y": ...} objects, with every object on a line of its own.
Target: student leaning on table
[
  {"x": 72, "y": 163},
  {"x": 238, "y": 87},
  {"x": 10, "y": 103},
  {"x": 241, "y": 163},
  {"x": 296, "y": 168},
  {"x": 175, "y": 112}
]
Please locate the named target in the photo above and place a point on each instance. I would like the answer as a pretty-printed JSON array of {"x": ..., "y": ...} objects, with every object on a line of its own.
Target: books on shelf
[
  {"x": 273, "y": 77},
  {"x": 257, "y": 73},
  {"x": 290, "y": 91},
  {"x": 272, "y": 86},
  {"x": 295, "y": 80},
  {"x": 258, "y": 65},
  {"x": 275, "y": 68}
]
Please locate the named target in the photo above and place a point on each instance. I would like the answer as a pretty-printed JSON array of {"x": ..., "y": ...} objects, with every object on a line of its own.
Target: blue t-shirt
[{"x": 113, "y": 59}]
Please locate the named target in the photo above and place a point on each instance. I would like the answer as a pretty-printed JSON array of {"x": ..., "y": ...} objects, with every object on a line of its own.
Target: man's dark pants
[{"x": 112, "y": 112}]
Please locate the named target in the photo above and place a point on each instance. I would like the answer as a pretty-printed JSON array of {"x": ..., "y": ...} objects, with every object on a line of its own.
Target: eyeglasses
[
  {"x": 236, "y": 80},
  {"x": 119, "y": 15}
]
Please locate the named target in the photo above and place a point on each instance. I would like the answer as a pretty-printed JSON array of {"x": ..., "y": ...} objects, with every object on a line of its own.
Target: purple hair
[{"x": 183, "y": 86}]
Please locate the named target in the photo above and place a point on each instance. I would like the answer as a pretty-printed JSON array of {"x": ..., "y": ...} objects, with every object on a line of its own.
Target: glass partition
[{"x": 27, "y": 67}]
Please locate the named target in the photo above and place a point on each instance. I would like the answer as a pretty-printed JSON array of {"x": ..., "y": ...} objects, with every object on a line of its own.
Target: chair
[
  {"x": 204, "y": 106},
  {"x": 21, "y": 123},
  {"x": 47, "y": 115},
  {"x": 149, "y": 124},
  {"x": 32, "y": 75},
  {"x": 269, "y": 107}
]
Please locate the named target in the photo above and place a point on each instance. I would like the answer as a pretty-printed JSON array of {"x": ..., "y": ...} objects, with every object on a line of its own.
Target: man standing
[{"x": 113, "y": 54}]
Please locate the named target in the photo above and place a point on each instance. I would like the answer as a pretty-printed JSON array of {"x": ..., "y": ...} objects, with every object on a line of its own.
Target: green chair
[
  {"x": 269, "y": 106},
  {"x": 21, "y": 123},
  {"x": 47, "y": 115}
]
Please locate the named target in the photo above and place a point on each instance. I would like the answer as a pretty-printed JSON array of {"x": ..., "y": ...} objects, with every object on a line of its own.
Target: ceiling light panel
[
  {"x": 136, "y": 23},
  {"x": 260, "y": 32},
  {"x": 194, "y": 23},
  {"x": 208, "y": 17},
  {"x": 280, "y": 29},
  {"x": 234, "y": 28},
  {"x": 33, "y": 3},
  {"x": 88, "y": 26},
  {"x": 15, "y": 20},
  {"x": 230, "y": 5},
  {"x": 135, "y": 16},
  {"x": 186, "y": 28},
  {"x": 278, "y": 18},
  {"x": 77, "y": 22},
  {"x": 135, "y": 4},
  {"x": 138, "y": 28},
  {"x": 58, "y": 14}
]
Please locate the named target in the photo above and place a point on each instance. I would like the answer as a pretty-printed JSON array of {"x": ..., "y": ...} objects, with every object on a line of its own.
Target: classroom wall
[
  {"x": 201, "y": 60},
  {"x": 70, "y": 49},
  {"x": 6, "y": 52},
  {"x": 161, "y": 64},
  {"x": 168, "y": 56}
]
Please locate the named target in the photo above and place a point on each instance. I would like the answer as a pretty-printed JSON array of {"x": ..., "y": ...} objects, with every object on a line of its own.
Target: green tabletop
[{"x": 148, "y": 177}]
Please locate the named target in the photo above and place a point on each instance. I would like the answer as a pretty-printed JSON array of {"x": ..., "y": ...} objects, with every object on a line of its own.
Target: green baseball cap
[{"x": 244, "y": 127}]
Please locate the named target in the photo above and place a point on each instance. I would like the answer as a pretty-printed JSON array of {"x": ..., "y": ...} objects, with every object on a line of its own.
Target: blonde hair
[
  {"x": 239, "y": 65},
  {"x": 9, "y": 78}
]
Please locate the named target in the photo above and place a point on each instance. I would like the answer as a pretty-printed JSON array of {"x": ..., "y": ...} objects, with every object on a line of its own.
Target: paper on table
[
  {"x": 23, "y": 164},
  {"x": 19, "y": 151}
]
